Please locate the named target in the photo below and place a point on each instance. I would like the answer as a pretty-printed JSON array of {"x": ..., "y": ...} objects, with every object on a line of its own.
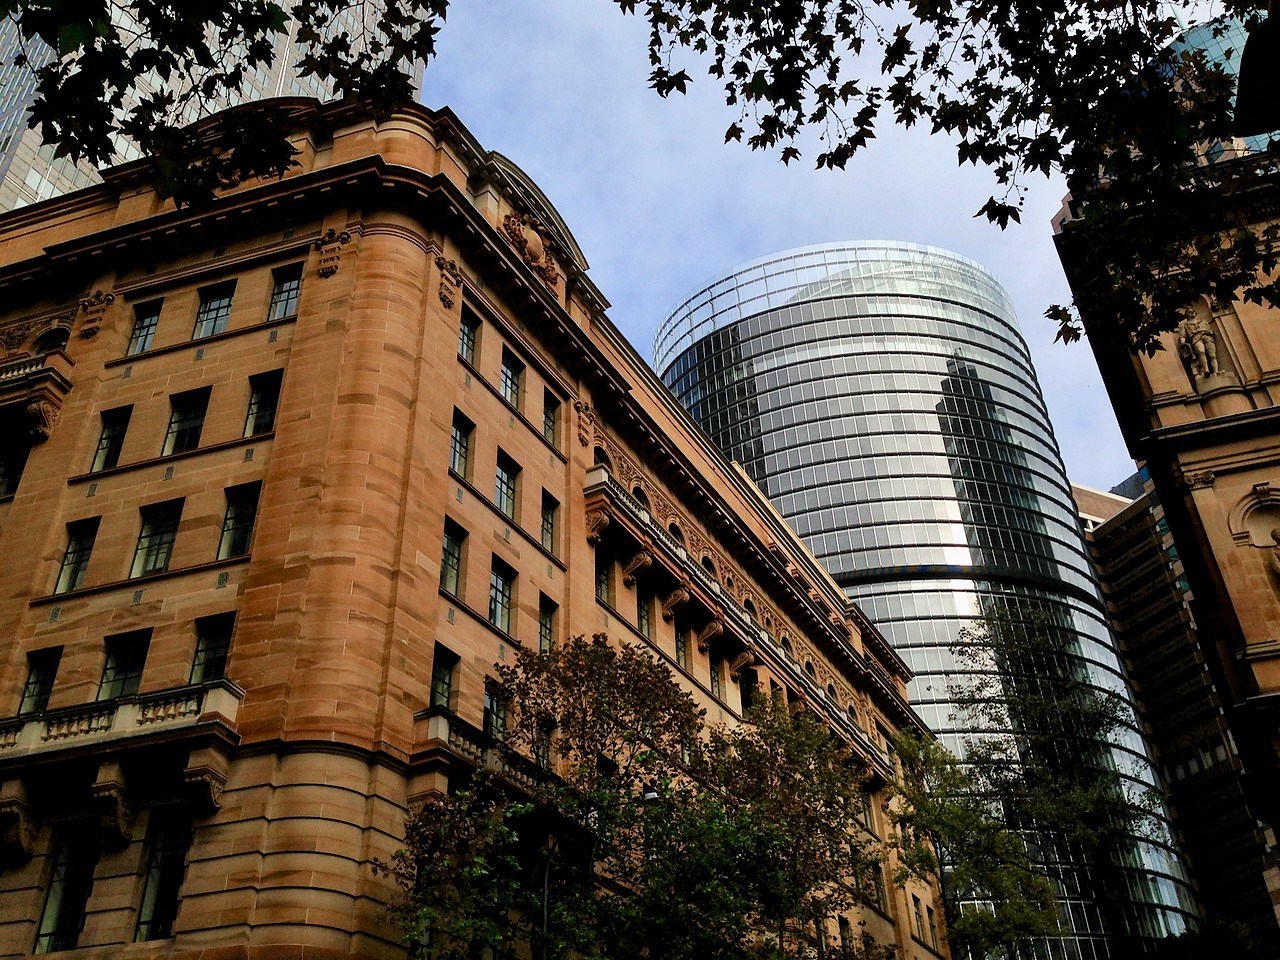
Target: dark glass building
[{"x": 883, "y": 398}]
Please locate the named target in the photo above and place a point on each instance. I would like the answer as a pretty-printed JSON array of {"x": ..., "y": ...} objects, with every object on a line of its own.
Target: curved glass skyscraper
[{"x": 883, "y": 398}]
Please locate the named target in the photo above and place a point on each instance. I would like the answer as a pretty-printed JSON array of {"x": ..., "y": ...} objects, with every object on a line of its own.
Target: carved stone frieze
[
  {"x": 14, "y": 336},
  {"x": 450, "y": 281},
  {"x": 642, "y": 561},
  {"x": 672, "y": 600},
  {"x": 531, "y": 240},
  {"x": 93, "y": 308},
  {"x": 586, "y": 422},
  {"x": 330, "y": 246}
]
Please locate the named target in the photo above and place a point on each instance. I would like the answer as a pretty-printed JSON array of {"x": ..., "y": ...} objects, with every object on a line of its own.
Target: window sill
[
  {"x": 135, "y": 582},
  {"x": 514, "y": 411},
  {"x": 475, "y": 615},
  {"x": 196, "y": 343},
  {"x": 536, "y": 543},
  {"x": 169, "y": 458}
]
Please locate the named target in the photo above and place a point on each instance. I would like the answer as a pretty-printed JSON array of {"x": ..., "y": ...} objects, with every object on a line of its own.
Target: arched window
[
  {"x": 675, "y": 532},
  {"x": 831, "y": 690},
  {"x": 750, "y": 608},
  {"x": 786, "y": 649},
  {"x": 808, "y": 668},
  {"x": 53, "y": 339},
  {"x": 640, "y": 497},
  {"x": 709, "y": 565},
  {"x": 602, "y": 459}
]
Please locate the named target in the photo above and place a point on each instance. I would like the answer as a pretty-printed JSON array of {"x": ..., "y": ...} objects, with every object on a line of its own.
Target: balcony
[
  {"x": 38, "y": 384},
  {"x": 438, "y": 728}
]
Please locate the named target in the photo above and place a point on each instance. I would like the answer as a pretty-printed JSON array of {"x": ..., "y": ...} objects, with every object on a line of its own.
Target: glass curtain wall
[{"x": 882, "y": 397}]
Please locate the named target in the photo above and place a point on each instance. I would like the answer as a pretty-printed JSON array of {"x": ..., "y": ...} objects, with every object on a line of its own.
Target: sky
[{"x": 660, "y": 204}]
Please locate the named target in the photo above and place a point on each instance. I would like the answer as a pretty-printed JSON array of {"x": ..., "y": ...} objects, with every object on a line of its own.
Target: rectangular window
[
  {"x": 511, "y": 378},
  {"x": 468, "y": 331},
  {"x": 16, "y": 447},
  {"x": 547, "y": 609},
  {"x": 451, "y": 559},
  {"x": 111, "y": 439},
  {"x": 186, "y": 420},
  {"x": 264, "y": 397},
  {"x": 168, "y": 841},
  {"x": 460, "y": 446},
  {"x": 550, "y": 521},
  {"x": 155, "y": 537},
  {"x": 714, "y": 675},
  {"x": 919, "y": 915},
  {"x": 213, "y": 643},
  {"x": 74, "y": 856},
  {"x": 146, "y": 317},
  {"x": 215, "y": 309},
  {"x": 644, "y": 613},
  {"x": 502, "y": 585},
  {"x": 75, "y": 559},
  {"x": 551, "y": 418},
  {"x": 495, "y": 711},
  {"x": 443, "y": 664},
  {"x": 748, "y": 686},
  {"x": 126, "y": 653},
  {"x": 286, "y": 285},
  {"x": 682, "y": 647},
  {"x": 933, "y": 927},
  {"x": 604, "y": 575},
  {"x": 237, "y": 522},
  {"x": 505, "y": 492},
  {"x": 42, "y": 668}
]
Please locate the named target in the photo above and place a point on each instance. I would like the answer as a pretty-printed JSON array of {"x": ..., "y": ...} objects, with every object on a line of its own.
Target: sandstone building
[{"x": 282, "y": 480}]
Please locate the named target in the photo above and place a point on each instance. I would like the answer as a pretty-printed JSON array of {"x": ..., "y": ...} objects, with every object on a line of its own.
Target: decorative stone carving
[
  {"x": 708, "y": 634},
  {"x": 596, "y": 522},
  {"x": 530, "y": 239},
  {"x": 1198, "y": 481},
  {"x": 15, "y": 335},
  {"x": 17, "y": 831},
  {"x": 206, "y": 777},
  {"x": 330, "y": 246},
  {"x": 586, "y": 421},
  {"x": 43, "y": 413},
  {"x": 747, "y": 658},
  {"x": 450, "y": 281},
  {"x": 1275, "y": 552},
  {"x": 94, "y": 307},
  {"x": 110, "y": 795},
  {"x": 642, "y": 561},
  {"x": 672, "y": 600},
  {"x": 1198, "y": 345}
]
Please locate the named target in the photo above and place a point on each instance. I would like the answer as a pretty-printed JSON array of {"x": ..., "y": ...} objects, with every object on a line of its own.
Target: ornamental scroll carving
[
  {"x": 43, "y": 414},
  {"x": 1199, "y": 481},
  {"x": 93, "y": 308},
  {"x": 450, "y": 281},
  {"x": 641, "y": 562},
  {"x": 17, "y": 829},
  {"x": 596, "y": 521},
  {"x": 330, "y": 246},
  {"x": 531, "y": 240},
  {"x": 586, "y": 422}
]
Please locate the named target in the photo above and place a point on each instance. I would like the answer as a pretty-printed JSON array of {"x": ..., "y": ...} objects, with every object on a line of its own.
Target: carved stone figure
[{"x": 1198, "y": 346}]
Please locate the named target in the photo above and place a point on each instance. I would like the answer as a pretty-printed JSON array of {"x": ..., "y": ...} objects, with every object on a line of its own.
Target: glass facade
[{"x": 883, "y": 398}]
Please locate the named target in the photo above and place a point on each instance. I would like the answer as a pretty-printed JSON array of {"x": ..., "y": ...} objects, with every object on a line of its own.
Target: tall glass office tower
[{"x": 883, "y": 398}]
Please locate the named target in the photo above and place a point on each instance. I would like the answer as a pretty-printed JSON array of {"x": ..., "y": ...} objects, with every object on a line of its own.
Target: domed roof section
[{"x": 519, "y": 186}]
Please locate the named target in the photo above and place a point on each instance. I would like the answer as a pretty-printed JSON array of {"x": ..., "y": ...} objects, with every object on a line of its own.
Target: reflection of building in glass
[
  {"x": 882, "y": 397},
  {"x": 1149, "y": 603}
]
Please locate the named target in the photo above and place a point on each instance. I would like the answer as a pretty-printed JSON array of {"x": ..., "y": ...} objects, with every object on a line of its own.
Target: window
[
  {"x": 443, "y": 664},
  {"x": 122, "y": 668},
  {"x": 186, "y": 420},
  {"x": 933, "y": 927},
  {"x": 502, "y": 584},
  {"x": 546, "y": 623},
  {"x": 451, "y": 559},
  {"x": 919, "y": 915},
  {"x": 551, "y": 418},
  {"x": 213, "y": 643},
  {"x": 286, "y": 284},
  {"x": 644, "y": 613},
  {"x": 505, "y": 492},
  {"x": 168, "y": 840},
  {"x": 155, "y": 538},
  {"x": 15, "y": 447},
  {"x": 111, "y": 439},
  {"x": 511, "y": 378},
  {"x": 604, "y": 575},
  {"x": 215, "y": 309},
  {"x": 716, "y": 690},
  {"x": 146, "y": 316},
  {"x": 468, "y": 330},
  {"x": 682, "y": 646},
  {"x": 75, "y": 559},
  {"x": 550, "y": 516},
  {"x": 748, "y": 688},
  {"x": 495, "y": 711},
  {"x": 42, "y": 668},
  {"x": 237, "y": 522},
  {"x": 264, "y": 397},
  {"x": 460, "y": 446},
  {"x": 75, "y": 851}
]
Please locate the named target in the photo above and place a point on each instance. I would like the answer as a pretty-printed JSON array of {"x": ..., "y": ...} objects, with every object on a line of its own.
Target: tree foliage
[{"x": 648, "y": 833}]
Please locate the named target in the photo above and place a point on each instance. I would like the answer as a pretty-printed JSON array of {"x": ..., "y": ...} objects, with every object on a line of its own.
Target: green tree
[{"x": 647, "y": 833}]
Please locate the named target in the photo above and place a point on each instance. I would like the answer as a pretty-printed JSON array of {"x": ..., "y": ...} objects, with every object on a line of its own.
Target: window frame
[
  {"x": 164, "y": 866},
  {"x": 213, "y": 646},
  {"x": 75, "y": 851},
  {"x": 502, "y": 595},
  {"x": 469, "y": 334},
  {"x": 506, "y": 487},
  {"x": 551, "y": 409},
  {"x": 451, "y": 561},
  {"x": 124, "y": 661},
  {"x": 286, "y": 291},
  {"x": 461, "y": 433},
  {"x": 511, "y": 375},
  {"x": 550, "y": 525},
  {"x": 81, "y": 536},
  {"x": 115, "y": 424},
  {"x": 239, "y": 520},
  {"x": 213, "y": 314},
  {"x": 143, "y": 332},
  {"x": 157, "y": 532},
  {"x": 264, "y": 403},
  {"x": 494, "y": 717},
  {"x": 187, "y": 413},
  {"x": 548, "y": 611},
  {"x": 42, "y": 673},
  {"x": 444, "y": 664}
]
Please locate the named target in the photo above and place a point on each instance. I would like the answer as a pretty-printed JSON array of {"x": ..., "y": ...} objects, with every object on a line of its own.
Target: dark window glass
[
  {"x": 504, "y": 494},
  {"x": 168, "y": 840},
  {"x": 42, "y": 668},
  {"x": 511, "y": 378},
  {"x": 237, "y": 522},
  {"x": 546, "y": 623},
  {"x": 682, "y": 646},
  {"x": 715, "y": 679},
  {"x": 467, "y": 332},
  {"x": 145, "y": 318},
  {"x": 74, "y": 856},
  {"x": 495, "y": 711},
  {"x": 111, "y": 439},
  {"x": 264, "y": 397},
  {"x": 550, "y": 418},
  {"x": 451, "y": 558},
  {"x": 155, "y": 537},
  {"x": 644, "y": 613},
  {"x": 286, "y": 284},
  {"x": 919, "y": 916},
  {"x": 213, "y": 643},
  {"x": 502, "y": 582},
  {"x": 443, "y": 665},
  {"x": 604, "y": 575},
  {"x": 550, "y": 516},
  {"x": 214, "y": 311},
  {"x": 75, "y": 559},
  {"x": 460, "y": 446},
  {"x": 15, "y": 447},
  {"x": 122, "y": 668},
  {"x": 186, "y": 420}
]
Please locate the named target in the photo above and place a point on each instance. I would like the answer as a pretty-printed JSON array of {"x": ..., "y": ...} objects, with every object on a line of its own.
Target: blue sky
[{"x": 660, "y": 204}]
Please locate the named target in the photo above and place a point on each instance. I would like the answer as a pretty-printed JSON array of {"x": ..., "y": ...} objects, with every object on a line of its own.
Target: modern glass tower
[{"x": 883, "y": 398}]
